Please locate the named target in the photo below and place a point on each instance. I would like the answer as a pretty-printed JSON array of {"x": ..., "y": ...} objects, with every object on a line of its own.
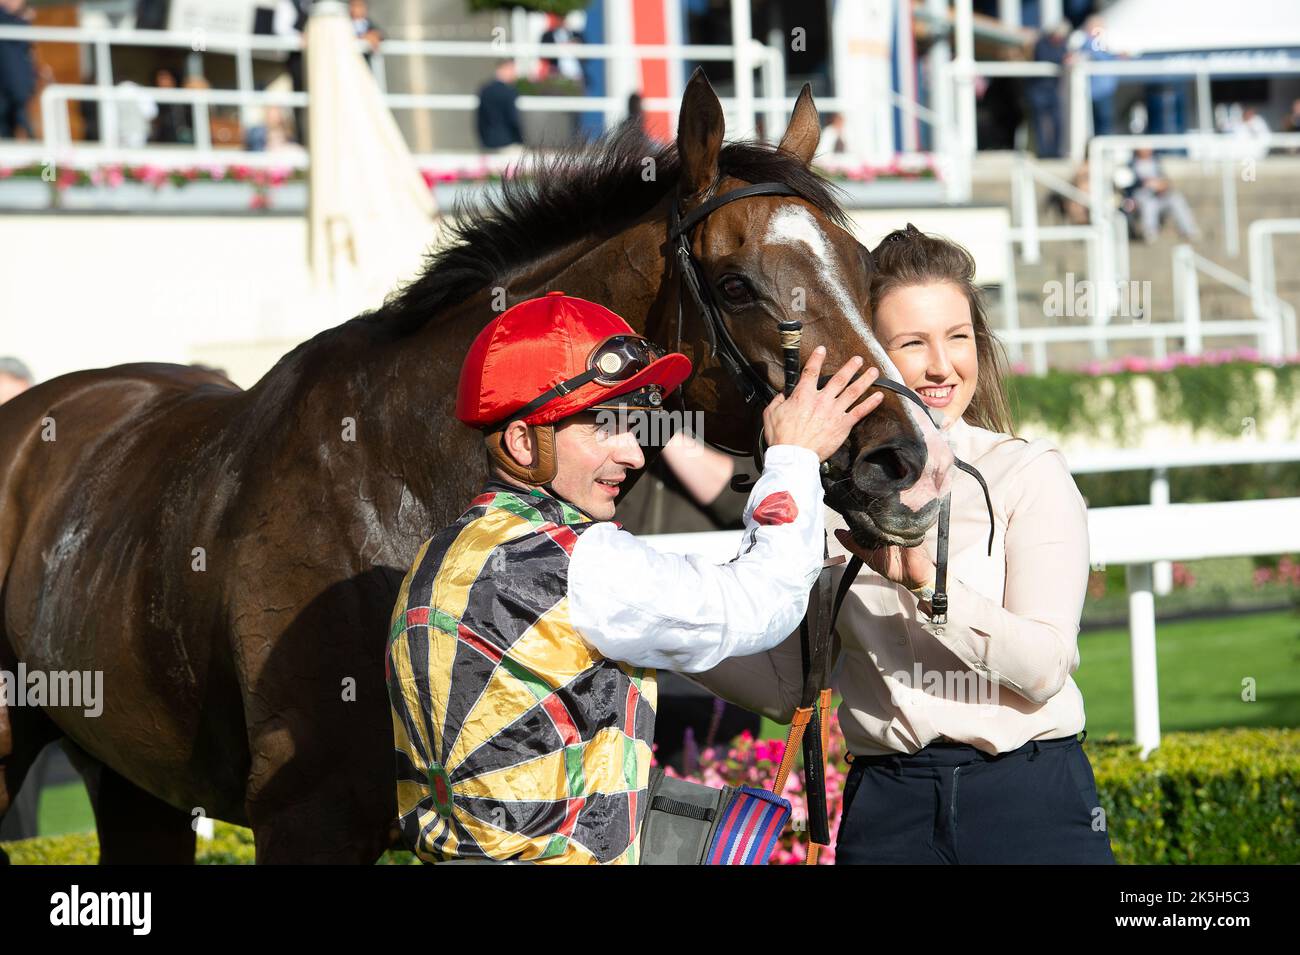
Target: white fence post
[
  {"x": 108, "y": 105},
  {"x": 1231, "y": 225},
  {"x": 1142, "y": 644},
  {"x": 1027, "y": 201},
  {"x": 1164, "y": 569}
]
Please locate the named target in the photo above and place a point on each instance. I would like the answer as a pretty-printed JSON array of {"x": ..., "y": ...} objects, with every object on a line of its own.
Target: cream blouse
[{"x": 999, "y": 673}]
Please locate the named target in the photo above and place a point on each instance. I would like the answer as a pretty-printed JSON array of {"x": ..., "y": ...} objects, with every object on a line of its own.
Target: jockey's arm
[{"x": 634, "y": 604}]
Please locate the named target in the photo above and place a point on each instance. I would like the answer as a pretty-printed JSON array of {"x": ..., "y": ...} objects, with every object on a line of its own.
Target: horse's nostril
[
  {"x": 889, "y": 462},
  {"x": 889, "y": 467}
]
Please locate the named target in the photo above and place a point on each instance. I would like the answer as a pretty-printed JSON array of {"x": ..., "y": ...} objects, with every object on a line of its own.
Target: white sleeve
[{"x": 634, "y": 604}]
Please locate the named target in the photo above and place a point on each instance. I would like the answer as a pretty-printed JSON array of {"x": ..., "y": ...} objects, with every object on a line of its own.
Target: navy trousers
[{"x": 952, "y": 803}]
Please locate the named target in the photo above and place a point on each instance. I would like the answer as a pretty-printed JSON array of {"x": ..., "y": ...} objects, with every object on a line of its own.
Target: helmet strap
[{"x": 544, "y": 468}]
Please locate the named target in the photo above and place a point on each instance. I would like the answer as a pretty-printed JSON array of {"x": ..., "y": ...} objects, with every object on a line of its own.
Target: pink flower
[
  {"x": 1262, "y": 576},
  {"x": 115, "y": 176},
  {"x": 260, "y": 201}
]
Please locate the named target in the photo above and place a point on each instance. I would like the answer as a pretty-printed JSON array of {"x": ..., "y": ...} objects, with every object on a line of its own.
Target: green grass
[
  {"x": 64, "y": 808},
  {"x": 1201, "y": 667}
]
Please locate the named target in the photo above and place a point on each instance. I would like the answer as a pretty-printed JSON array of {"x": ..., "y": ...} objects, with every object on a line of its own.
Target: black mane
[{"x": 580, "y": 192}]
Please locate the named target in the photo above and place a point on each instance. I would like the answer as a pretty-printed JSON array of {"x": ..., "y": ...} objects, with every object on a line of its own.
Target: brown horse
[{"x": 229, "y": 559}]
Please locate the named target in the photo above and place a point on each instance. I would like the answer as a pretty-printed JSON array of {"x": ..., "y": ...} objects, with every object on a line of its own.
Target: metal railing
[
  {"x": 773, "y": 104},
  {"x": 744, "y": 57},
  {"x": 1026, "y": 175},
  {"x": 1105, "y": 151},
  {"x": 1274, "y": 322},
  {"x": 1263, "y": 276}
]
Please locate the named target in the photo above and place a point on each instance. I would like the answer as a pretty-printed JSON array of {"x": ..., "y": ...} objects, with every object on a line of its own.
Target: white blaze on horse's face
[{"x": 792, "y": 224}]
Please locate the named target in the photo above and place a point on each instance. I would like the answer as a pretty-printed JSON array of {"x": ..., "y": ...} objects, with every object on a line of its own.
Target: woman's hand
[{"x": 909, "y": 566}]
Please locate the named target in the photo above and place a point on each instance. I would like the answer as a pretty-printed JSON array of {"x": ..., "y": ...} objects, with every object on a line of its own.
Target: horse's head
[{"x": 765, "y": 259}]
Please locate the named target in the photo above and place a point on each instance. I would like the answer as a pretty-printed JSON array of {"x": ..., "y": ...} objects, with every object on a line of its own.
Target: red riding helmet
[{"x": 550, "y": 357}]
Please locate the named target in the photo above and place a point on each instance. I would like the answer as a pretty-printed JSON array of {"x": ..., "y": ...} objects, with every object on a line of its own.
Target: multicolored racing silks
[{"x": 514, "y": 739}]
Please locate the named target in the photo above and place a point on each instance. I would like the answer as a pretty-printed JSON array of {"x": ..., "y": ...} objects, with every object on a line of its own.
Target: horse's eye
[{"x": 735, "y": 289}]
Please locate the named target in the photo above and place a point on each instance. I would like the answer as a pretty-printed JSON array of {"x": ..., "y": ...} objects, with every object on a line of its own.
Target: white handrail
[
  {"x": 773, "y": 101},
  {"x": 745, "y": 57},
  {"x": 1112, "y": 257},
  {"x": 1263, "y": 279}
]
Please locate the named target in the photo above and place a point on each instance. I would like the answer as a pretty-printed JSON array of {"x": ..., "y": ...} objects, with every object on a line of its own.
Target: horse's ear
[
  {"x": 805, "y": 130},
  {"x": 700, "y": 126}
]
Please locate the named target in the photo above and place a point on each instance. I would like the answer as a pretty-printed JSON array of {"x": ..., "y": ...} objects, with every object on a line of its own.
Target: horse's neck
[{"x": 377, "y": 409}]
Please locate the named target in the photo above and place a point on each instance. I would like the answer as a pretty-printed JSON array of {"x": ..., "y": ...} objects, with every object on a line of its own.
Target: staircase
[{"x": 1273, "y": 193}]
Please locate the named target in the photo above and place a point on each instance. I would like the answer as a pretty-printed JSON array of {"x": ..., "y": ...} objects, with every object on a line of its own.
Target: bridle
[
  {"x": 817, "y": 629},
  {"x": 757, "y": 392}
]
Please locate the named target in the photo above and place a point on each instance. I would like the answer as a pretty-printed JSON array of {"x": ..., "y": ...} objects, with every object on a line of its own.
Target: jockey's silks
[{"x": 514, "y": 738}]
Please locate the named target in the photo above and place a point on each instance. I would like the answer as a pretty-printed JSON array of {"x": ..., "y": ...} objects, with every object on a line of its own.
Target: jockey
[{"x": 523, "y": 646}]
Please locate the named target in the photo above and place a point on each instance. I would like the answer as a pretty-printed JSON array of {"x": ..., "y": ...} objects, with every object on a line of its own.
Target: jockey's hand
[{"x": 820, "y": 419}]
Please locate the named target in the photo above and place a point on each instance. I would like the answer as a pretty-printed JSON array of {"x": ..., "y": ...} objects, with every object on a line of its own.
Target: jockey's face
[{"x": 593, "y": 457}]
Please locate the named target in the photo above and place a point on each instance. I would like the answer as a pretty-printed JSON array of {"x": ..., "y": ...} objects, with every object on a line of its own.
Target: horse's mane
[{"x": 578, "y": 192}]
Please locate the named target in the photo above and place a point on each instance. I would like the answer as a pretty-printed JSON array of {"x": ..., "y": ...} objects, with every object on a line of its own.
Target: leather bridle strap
[{"x": 753, "y": 387}]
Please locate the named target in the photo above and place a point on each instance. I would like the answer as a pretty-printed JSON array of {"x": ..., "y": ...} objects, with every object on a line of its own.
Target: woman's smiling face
[{"x": 928, "y": 333}]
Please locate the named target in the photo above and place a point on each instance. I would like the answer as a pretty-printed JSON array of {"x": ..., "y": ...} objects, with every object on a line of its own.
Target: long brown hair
[{"x": 908, "y": 257}]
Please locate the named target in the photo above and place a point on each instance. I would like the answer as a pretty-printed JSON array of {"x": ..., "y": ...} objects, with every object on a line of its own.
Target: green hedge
[
  {"x": 543, "y": 6},
  {"x": 1213, "y": 798},
  {"x": 1213, "y": 398},
  {"x": 1218, "y": 797},
  {"x": 230, "y": 845}
]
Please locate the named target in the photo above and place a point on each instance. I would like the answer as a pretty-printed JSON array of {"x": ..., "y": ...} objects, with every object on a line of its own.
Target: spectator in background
[
  {"x": 832, "y": 140},
  {"x": 17, "y": 74},
  {"x": 1291, "y": 124},
  {"x": 1090, "y": 44},
  {"x": 290, "y": 20},
  {"x": 174, "y": 122},
  {"x": 1044, "y": 92},
  {"x": 569, "y": 66},
  {"x": 635, "y": 113},
  {"x": 1254, "y": 127},
  {"x": 15, "y": 378},
  {"x": 135, "y": 115},
  {"x": 1154, "y": 195},
  {"x": 499, "y": 128},
  {"x": 366, "y": 28}
]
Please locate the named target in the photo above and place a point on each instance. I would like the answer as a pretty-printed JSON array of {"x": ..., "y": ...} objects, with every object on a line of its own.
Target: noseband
[{"x": 757, "y": 392}]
